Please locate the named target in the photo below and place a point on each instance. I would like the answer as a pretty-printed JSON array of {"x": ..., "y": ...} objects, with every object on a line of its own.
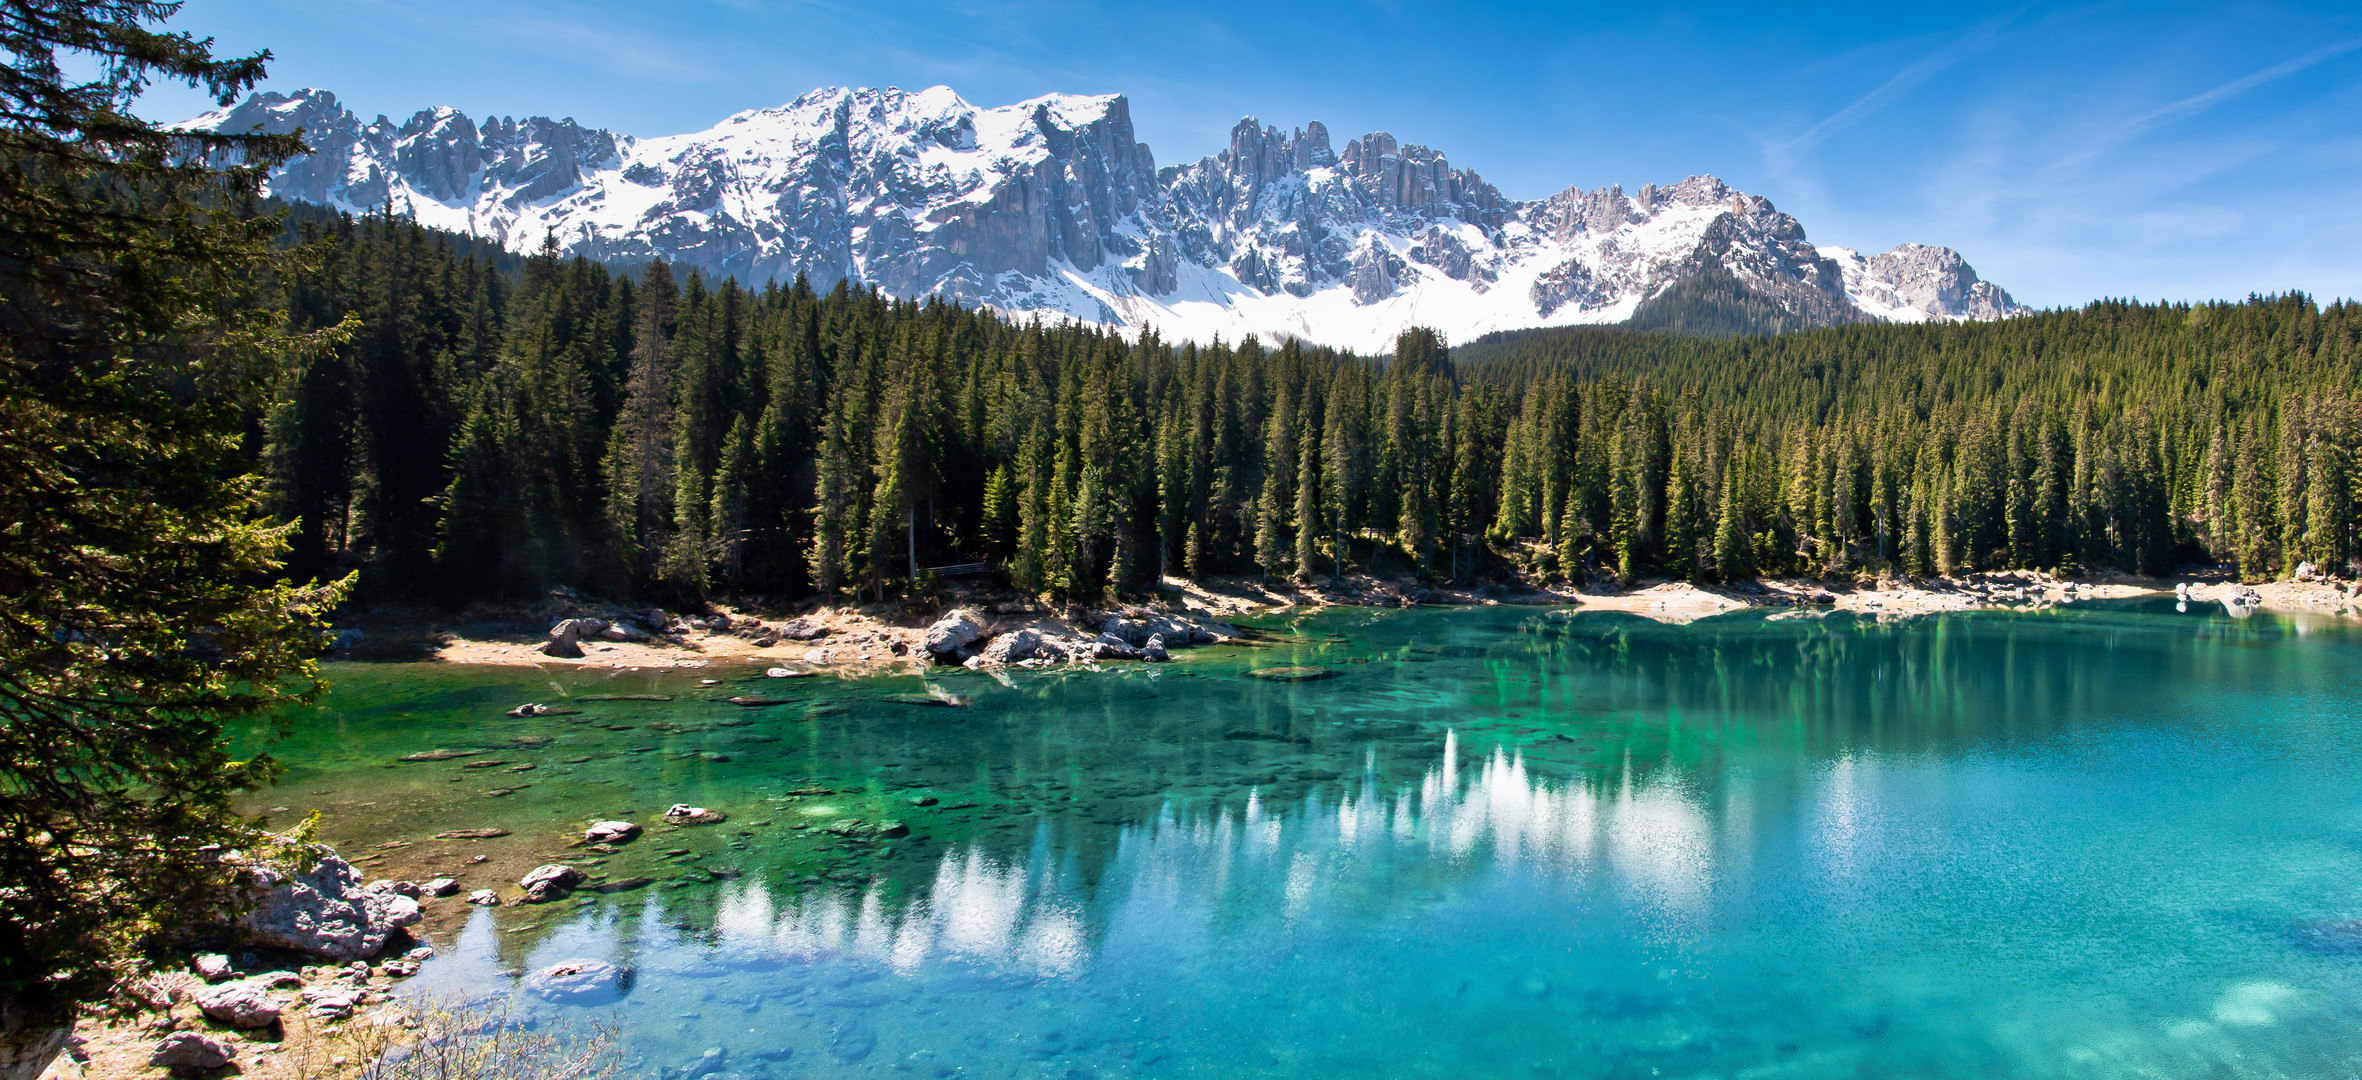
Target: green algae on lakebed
[{"x": 2107, "y": 840}]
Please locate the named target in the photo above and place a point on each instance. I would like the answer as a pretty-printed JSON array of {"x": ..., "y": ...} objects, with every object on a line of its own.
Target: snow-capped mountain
[
  {"x": 1915, "y": 283},
  {"x": 1052, "y": 206}
]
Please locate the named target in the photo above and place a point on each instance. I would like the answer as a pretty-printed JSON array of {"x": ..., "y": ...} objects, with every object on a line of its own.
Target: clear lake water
[{"x": 2098, "y": 840}]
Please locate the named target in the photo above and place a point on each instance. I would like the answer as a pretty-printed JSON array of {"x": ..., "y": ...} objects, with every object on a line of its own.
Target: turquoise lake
[{"x": 2101, "y": 840}]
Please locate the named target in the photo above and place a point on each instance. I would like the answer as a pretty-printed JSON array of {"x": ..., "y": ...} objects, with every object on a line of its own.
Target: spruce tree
[
  {"x": 1733, "y": 554},
  {"x": 139, "y": 615},
  {"x": 640, "y": 453}
]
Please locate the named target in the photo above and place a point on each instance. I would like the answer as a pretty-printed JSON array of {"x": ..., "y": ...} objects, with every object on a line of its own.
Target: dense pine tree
[{"x": 501, "y": 426}]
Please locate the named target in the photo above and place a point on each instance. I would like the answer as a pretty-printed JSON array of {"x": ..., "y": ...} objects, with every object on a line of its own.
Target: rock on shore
[
  {"x": 324, "y": 911},
  {"x": 949, "y": 638},
  {"x": 191, "y": 1050},
  {"x": 1131, "y": 634},
  {"x": 240, "y": 1003}
]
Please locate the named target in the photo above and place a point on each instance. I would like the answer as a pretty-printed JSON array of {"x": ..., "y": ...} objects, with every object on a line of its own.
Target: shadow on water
[{"x": 1497, "y": 842}]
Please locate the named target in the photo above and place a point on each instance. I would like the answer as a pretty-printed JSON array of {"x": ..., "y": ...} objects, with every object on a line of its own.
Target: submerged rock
[
  {"x": 936, "y": 700},
  {"x": 858, "y": 829},
  {"x": 579, "y": 982},
  {"x": 705, "y": 1064},
  {"x": 2331, "y": 936},
  {"x": 612, "y": 832},
  {"x": 685, "y": 814},
  {"x": 1293, "y": 674},
  {"x": 324, "y": 911},
  {"x": 545, "y": 883},
  {"x": 852, "y": 1041}
]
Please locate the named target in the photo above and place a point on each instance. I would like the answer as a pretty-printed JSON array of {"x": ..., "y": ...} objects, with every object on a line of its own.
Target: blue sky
[{"x": 2070, "y": 151}]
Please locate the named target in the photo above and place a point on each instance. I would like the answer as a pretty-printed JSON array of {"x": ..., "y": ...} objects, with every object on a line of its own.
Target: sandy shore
[{"x": 857, "y": 638}]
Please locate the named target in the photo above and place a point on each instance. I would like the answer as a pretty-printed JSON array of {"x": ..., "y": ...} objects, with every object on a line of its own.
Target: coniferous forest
[{"x": 500, "y": 426}]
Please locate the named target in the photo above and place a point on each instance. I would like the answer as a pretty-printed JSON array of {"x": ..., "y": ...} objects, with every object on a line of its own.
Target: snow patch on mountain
[{"x": 1052, "y": 207}]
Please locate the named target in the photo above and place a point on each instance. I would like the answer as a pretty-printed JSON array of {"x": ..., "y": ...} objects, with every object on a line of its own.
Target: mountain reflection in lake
[
  {"x": 1176, "y": 879},
  {"x": 2110, "y": 841}
]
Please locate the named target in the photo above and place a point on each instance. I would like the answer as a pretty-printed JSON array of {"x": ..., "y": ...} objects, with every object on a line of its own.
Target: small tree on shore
[{"x": 136, "y": 613}]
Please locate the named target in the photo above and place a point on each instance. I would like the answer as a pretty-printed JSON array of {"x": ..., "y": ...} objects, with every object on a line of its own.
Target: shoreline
[{"x": 880, "y": 639}]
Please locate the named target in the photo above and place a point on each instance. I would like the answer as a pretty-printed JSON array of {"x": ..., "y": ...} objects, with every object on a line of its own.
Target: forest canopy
[{"x": 504, "y": 426}]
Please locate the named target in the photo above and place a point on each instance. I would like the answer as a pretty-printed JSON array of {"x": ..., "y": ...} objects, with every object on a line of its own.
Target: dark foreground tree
[{"x": 137, "y": 613}]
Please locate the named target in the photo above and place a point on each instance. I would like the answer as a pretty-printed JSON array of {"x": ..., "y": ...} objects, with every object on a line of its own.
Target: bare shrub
[{"x": 457, "y": 1039}]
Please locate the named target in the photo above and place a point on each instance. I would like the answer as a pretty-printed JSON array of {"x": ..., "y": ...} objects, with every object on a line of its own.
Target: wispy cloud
[
  {"x": 1785, "y": 155},
  {"x": 2198, "y": 103}
]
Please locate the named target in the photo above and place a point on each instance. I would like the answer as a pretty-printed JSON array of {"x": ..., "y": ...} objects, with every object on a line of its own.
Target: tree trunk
[{"x": 29, "y": 1041}]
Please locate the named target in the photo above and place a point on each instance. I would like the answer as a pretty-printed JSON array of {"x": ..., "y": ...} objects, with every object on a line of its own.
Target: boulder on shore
[
  {"x": 802, "y": 630},
  {"x": 953, "y": 633},
  {"x": 565, "y": 639},
  {"x": 549, "y": 882},
  {"x": 192, "y": 1050},
  {"x": 1013, "y": 647},
  {"x": 1136, "y": 628},
  {"x": 624, "y": 631},
  {"x": 324, "y": 912},
  {"x": 242, "y": 1003},
  {"x": 653, "y": 619}
]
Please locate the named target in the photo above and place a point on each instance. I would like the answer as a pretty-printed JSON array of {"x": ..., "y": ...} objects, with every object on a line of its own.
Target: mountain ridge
[{"x": 1053, "y": 206}]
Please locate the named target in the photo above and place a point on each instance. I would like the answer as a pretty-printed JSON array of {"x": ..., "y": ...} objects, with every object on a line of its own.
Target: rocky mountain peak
[
  {"x": 1053, "y": 206},
  {"x": 1916, "y": 282}
]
